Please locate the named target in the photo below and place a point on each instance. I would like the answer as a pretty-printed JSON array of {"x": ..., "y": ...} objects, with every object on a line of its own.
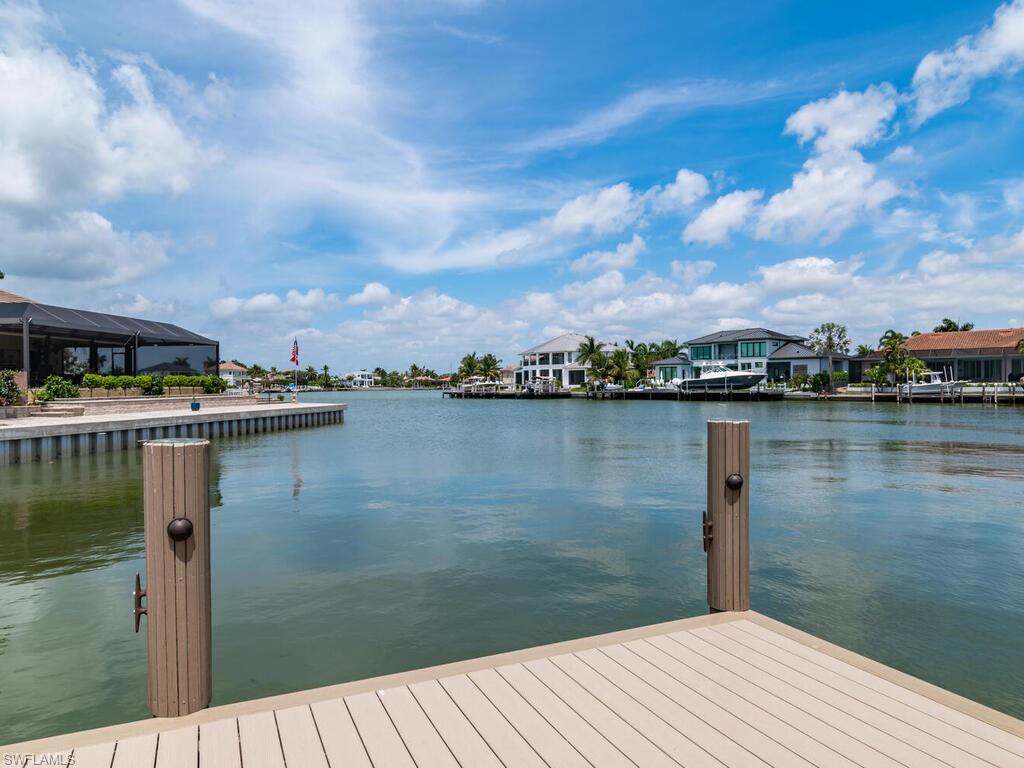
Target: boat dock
[
  {"x": 44, "y": 438},
  {"x": 727, "y": 689}
]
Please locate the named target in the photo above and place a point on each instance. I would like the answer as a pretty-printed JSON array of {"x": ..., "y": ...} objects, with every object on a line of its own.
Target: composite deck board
[
  {"x": 724, "y": 691},
  {"x": 135, "y": 751},
  {"x": 551, "y": 745},
  {"x": 462, "y": 738},
  {"x": 94, "y": 756},
  {"x": 988, "y": 741},
  {"x": 300, "y": 740},
  {"x": 421, "y": 738},
  {"x": 926, "y": 742},
  {"x": 690, "y": 648},
  {"x": 661, "y": 653},
  {"x": 501, "y": 736},
  {"x": 740, "y": 731},
  {"x": 834, "y": 716},
  {"x": 260, "y": 742},
  {"x": 984, "y": 752},
  {"x": 671, "y": 741},
  {"x": 383, "y": 743},
  {"x": 587, "y": 740},
  {"x": 218, "y": 744},
  {"x": 179, "y": 748},
  {"x": 338, "y": 734},
  {"x": 626, "y": 738}
]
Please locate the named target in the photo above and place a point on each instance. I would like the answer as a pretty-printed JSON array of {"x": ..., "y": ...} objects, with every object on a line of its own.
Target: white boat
[
  {"x": 932, "y": 383},
  {"x": 718, "y": 376}
]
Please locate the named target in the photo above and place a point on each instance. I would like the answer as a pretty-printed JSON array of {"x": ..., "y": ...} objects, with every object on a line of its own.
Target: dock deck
[{"x": 728, "y": 689}]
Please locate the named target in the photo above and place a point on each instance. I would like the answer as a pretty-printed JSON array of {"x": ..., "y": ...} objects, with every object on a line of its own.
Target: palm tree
[
  {"x": 830, "y": 339},
  {"x": 489, "y": 366},
  {"x": 669, "y": 348},
  {"x": 469, "y": 365},
  {"x": 950, "y": 326},
  {"x": 326, "y": 378},
  {"x": 600, "y": 367},
  {"x": 587, "y": 349},
  {"x": 889, "y": 336},
  {"x": 864, "y": 349},
  {"x": 621, "y": 365}
]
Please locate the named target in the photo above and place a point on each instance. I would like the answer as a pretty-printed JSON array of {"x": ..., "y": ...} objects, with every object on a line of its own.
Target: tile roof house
[{"x": 982, "y": 355}]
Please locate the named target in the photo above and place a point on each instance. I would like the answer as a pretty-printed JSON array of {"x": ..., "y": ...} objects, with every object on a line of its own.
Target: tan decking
[{"x": 733, "y": 689}]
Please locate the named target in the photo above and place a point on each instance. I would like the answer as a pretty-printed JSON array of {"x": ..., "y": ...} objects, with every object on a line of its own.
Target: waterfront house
[
  {"x": 982, "y": 355},
  {"x": 234, "y": 374},
  {"x": 556, "y": 359},
  {"x": 508, "y": 374},
  {"x": 41, "y": 340},
  {"x": 797, "y": 359},
  {"x": 676, "y": 367},
  {"x": 362, "y": 379},
  {"x": 747, "y": 349}
]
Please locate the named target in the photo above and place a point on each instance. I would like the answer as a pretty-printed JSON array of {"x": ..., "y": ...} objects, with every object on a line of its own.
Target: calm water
[{"x": 424, "y": 531}]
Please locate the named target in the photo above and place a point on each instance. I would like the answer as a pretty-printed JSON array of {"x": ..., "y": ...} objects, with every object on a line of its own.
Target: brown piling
[
  {"x": 176, "y": 476},
  {"x": 727, "y": 520}
]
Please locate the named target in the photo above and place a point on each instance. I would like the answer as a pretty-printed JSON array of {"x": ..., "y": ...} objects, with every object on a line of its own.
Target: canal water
[{"x": 424, "y": 531}]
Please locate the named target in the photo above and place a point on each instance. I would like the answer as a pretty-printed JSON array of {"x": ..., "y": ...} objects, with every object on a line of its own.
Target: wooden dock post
[
  {"x": 176, "y": 474},
  {"x": 727, "y": 520}
]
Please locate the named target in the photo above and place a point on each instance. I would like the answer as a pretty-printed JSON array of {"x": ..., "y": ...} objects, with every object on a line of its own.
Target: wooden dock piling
[
  {"x": 727, "y": 520},
  {"x": 176, "y": 474}
]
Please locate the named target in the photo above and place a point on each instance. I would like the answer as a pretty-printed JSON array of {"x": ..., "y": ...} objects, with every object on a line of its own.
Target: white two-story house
[{"x": 556, "y": 359}]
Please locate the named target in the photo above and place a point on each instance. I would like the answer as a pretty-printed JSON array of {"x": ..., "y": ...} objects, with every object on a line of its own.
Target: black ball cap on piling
[
  {"x": 180, "y": 528},
  {"x": 734, "y": 481}
]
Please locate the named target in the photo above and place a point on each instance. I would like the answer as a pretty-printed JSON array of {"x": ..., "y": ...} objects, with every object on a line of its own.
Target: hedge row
[{"x": 154, "y": 385}]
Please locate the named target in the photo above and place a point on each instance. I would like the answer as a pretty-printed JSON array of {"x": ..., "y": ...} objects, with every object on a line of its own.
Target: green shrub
[
  {"x": 56, "y": 386},
  {"x": 150, "y": 385},
  {"x": 93, "y": 381},
  {"x": 840, "y": 377},
  {"x": 798, "y": 381},
  {"x": 9, "y": 391}
]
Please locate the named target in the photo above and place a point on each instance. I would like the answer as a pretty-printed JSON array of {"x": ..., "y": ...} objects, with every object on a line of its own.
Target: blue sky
[{"x": 400, "y": 182}]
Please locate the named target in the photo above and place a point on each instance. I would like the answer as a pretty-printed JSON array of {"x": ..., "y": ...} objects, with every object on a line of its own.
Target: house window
[
  {"x": 753, "y": 349},
  {"x": 702, "y": 352},
  {"x": 744, "y": 366},
  {"x": 759, "y": 363},
  {"x": 668, "y": 373},
  {"x": 576, "y": 378},
  {"x": 544, "y": 360},
  {"x": 545, "y": 373},
  {"x": 558, "y": 358}
]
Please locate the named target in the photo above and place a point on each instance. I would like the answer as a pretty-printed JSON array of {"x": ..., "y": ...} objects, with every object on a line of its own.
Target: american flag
[{"x": 295, "y": 352}]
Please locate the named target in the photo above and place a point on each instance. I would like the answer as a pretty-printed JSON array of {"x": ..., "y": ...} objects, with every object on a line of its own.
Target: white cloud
[
  {"x": 463, "y": 34},
  {"x": 1013, "y": 195},
  {"x": 138, "y": 305},
  {"x": 688, "y": 188},
  {"x": 372, "y": 293},
  {"x": 623, "y": 257},
  {"x": 70, "y": 143},
  {"x": 643, "y": 104},
  {"x": 728, "y": 213},
  {"x": 271, "y": 307},
  {"x": 67, "y": 142},
  {"x": 836, "y": 186},
  {"x": 604, "y": 212},
  {"x": 808, "y": 273},
  {"x": 691, "y": 272},
  {"x": 80, "y": 245},
  {"x": 845, "y": 120},
  {"x": 944, "y": 79},
  {"x": 828, "y": 196},
  {"x": 608, "y": 284}
]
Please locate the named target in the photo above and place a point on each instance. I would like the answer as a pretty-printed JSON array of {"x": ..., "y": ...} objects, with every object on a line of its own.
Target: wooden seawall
[{"x": 45, "y": 439}]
